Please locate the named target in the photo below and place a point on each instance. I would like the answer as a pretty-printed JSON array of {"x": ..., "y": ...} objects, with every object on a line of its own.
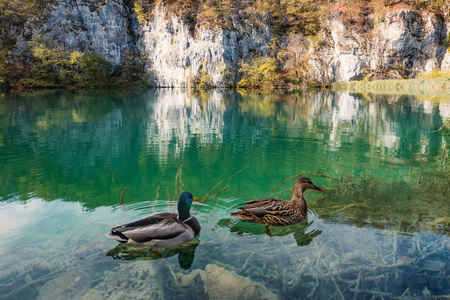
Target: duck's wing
[
  {"x": 262, "y": 202},
  {"x": 149, "y": 220},
  {"x": 260, "y": 208},
  {"x": 158, "y": 226},
  {"x": 163, "y": 230}
]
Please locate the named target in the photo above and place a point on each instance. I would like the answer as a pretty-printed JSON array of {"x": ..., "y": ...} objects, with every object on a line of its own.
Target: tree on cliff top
[{"x": 302, "y": 16}]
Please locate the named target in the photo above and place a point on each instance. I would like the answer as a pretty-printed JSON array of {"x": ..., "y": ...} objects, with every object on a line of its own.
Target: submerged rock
[
  {"x": 219, "y": 283},
  {"x": 433, "y": 263},
  {"x": 69, "y": 286},
  {"x": 137, "y": 280}
]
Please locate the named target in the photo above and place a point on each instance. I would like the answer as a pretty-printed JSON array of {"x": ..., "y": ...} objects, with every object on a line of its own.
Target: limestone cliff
[
  {"x": 104, "y": 27},
  {"x": 401, "y": 43},
  {"x": 175, "y": 55}
]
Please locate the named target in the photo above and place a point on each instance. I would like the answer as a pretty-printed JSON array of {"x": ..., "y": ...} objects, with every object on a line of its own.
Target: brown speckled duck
[{"x": 278, "y": 212}]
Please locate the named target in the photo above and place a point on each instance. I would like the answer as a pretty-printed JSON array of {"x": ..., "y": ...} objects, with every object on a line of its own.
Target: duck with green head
[{"x": 160, "y": 230}]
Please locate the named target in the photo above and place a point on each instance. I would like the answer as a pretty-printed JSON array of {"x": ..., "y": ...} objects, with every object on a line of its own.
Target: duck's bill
[
  {"x": 315, "y": 187},
  {"x": 196, "y": 199}
]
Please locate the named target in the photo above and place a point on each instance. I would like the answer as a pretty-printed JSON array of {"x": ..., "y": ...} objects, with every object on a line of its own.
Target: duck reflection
[
  {"x": 302, "y": 232},
  {"x": 185, "y": 252}
]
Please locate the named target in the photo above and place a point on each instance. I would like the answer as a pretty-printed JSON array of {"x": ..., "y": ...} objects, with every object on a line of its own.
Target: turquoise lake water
[{"x": 380, "y": 230}]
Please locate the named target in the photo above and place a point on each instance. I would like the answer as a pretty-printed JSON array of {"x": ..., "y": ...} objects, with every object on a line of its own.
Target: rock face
[
  {"x": 86, "y": 26},
  {"x": 176, "y": 55},
  {"x": 402, "y": 43},
  {"x": 410, "y": 40},
  {"x": 445, "y": 66}
]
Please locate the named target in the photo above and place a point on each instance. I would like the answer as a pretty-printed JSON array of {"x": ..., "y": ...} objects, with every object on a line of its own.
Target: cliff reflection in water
[
  {"x": 180, "y": 118},
  {"x": 387, "y": 124}
]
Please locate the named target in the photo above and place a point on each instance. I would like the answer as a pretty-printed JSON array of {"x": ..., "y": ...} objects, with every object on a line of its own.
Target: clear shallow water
[{"x": 379, "y": 230}]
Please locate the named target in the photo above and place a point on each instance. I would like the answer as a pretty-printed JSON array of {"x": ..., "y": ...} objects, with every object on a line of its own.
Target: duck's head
[
  {"x": 184, "y": 205},
  {"x": 304, "y": 183}
]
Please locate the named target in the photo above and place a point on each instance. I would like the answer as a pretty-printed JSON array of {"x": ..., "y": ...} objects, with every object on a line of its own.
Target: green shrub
[
  {"x": 260, "y": 72},
  {"x": 3, "y": 66},
  {"x": 140, "y": 12},
  {"x": 49, "y": 63},
  {"x": 202, "y": 80},
  {"x": 54, "y": 67},
  {"x": 93, "y": 70}
]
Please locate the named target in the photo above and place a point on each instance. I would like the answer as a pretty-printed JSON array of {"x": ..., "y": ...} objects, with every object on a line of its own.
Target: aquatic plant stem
[
  {"x": 157, "y": 193},
  {"x": 168, "y": 194},
  {"x": 216, "y": 194},
  {"x": 179, "y": 187},
  {"x": 217, "y": 185},
  {"x": 442, "y": 127},
  {"x": 123, "y": 193},
  {"x": 121, "y": 204},
  {"x": 344, "y": 207}
]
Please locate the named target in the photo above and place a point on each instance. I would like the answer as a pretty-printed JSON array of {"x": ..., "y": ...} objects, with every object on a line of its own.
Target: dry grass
[
  {"x": 436, "y": 73},
  {"x": 429, "y": 87}
]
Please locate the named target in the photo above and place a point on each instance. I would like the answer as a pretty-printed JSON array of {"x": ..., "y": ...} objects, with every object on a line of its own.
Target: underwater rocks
[
  {"x": 137, "y": 280},
  {"x": 219, "y": 283},
  {"x": 69, "y": 286}
]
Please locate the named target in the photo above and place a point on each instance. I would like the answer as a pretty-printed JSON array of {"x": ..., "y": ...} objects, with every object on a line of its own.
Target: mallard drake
[
  {"x": 160, "y": 230},
  {"x": 278, "y": 212}
]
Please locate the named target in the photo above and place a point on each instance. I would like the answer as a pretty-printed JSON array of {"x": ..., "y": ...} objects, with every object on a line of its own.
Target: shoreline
[
  {"x": 437, "y": 87},
  {"x": 430, "y": 88}
]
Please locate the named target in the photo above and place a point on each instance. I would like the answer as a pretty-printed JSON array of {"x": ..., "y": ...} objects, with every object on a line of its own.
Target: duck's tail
[
  {"x": 117, "y": 237},
  {"x": 238, "y": 215}
]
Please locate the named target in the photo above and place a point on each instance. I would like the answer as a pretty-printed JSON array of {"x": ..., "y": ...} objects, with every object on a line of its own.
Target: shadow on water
[
  {"x": 185, "y": 252},
  {"x": 303, "y": 232}
]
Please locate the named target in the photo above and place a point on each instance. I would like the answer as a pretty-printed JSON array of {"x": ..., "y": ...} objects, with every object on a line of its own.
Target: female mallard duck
[
  {"x": 277, "y": 212},
  {"x": 160, "y": 230}
]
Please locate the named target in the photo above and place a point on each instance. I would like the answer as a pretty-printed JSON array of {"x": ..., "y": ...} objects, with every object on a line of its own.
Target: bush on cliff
[
  {"x": 3, "y": 66},
  {"x": 93, "y": 70},
  {"x": 53, "y": 67},
  {"x": 261, "y": 72}
]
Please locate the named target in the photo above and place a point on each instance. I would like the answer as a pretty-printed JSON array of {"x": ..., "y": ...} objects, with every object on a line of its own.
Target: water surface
[{"x": 380, "y": 229}]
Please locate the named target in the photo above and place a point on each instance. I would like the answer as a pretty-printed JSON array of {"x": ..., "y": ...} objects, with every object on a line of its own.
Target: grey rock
[
  {"x": 86, "y": 26},
  {"x": 405, "y": 40},
  {"x": 176, "y": 55},
  {"x": 69, "y": 286},
  {"x": 220, "y": 283}
]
